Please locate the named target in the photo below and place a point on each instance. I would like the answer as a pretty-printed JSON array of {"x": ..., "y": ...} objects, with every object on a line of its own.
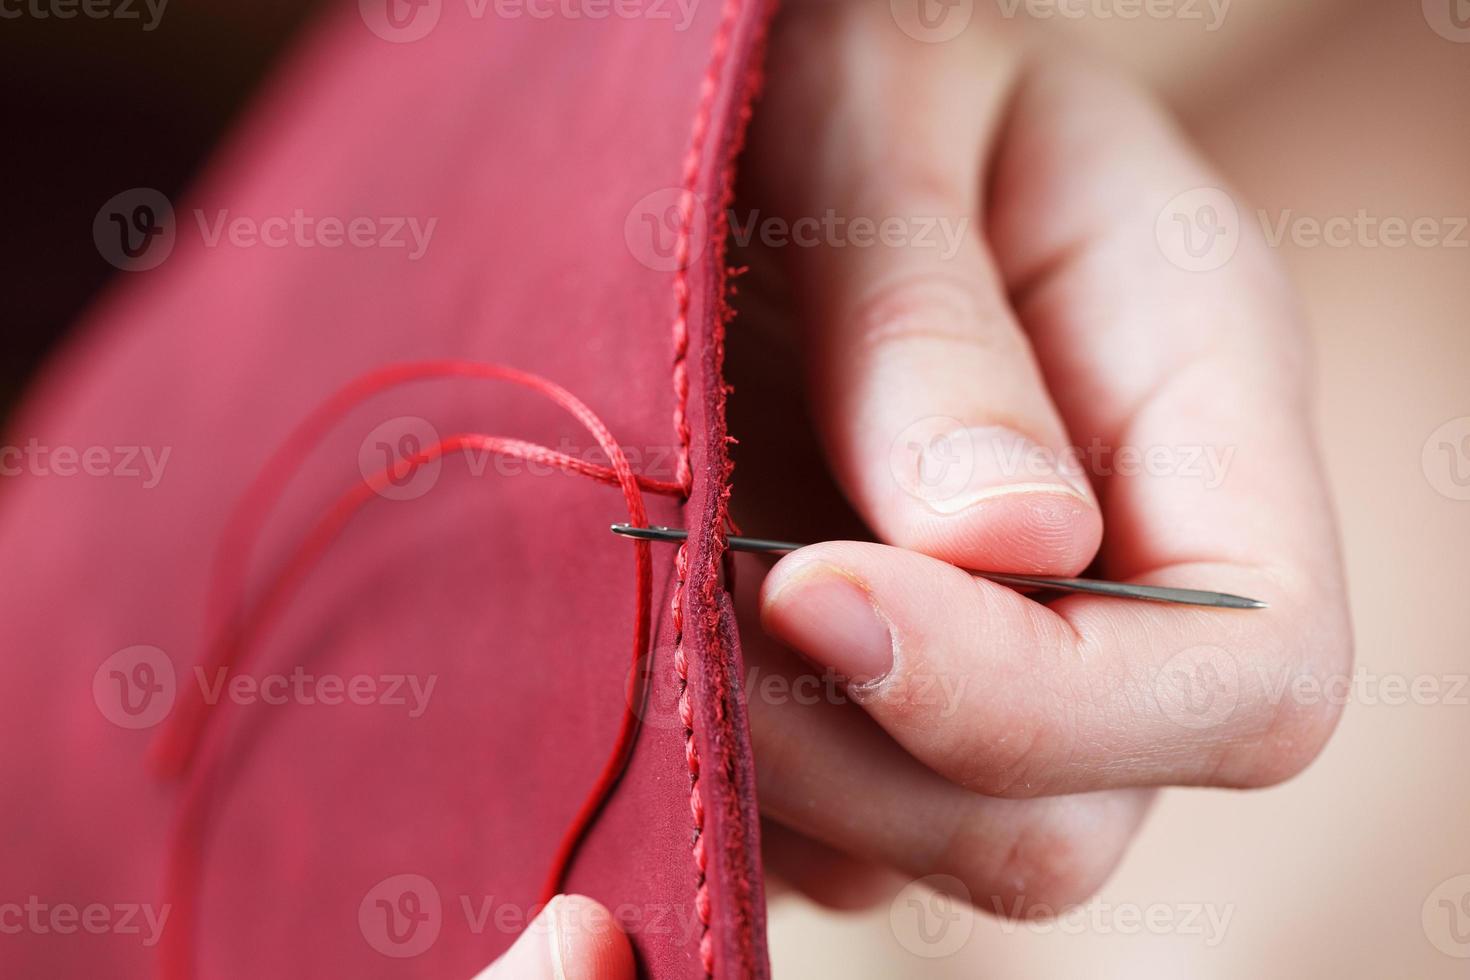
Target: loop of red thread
[
  {"x": 188, "y": 736},
  {"x": 249, "y": 514}
]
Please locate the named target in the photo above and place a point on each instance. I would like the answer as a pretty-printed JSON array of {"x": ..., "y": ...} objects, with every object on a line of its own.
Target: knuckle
[
  {"x": 1016, "y": 755},
  {"x": 1303, "y": 710},
  {"x": 1050, "y": 863},
  {"x": 934, "y": 307}
]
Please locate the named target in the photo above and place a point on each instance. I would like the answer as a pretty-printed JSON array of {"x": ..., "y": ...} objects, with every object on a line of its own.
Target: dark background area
[{"x": 93, "y": 106}]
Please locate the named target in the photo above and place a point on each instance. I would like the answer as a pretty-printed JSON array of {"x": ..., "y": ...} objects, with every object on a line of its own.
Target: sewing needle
[{"x": 1122, "y": 590}]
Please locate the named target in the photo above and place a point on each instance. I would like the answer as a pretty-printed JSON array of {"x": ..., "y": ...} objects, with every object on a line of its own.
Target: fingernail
[
  {"x": 551, "y": 921},
  {"x": 537, "y": 951},
  {"x": 966, "y": 466},
  {"x": 830, "y": 617}
]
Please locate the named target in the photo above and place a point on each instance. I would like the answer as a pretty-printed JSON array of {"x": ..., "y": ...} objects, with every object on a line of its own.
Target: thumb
[
  {"x": 574, "y": 938},
  {"x": 928, "y": 398}
]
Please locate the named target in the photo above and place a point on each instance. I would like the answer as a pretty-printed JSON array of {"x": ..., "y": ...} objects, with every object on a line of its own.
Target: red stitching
[
  {"x": 693, "y": 164},
  {"x": 683, "y": 474},
  {"x": 691, "y": 755}
]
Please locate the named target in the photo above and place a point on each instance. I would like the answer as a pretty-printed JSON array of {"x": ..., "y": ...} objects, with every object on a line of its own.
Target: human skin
[
  {"x": 572, "y": 938},
  {"x": 1061, "y": 320}
]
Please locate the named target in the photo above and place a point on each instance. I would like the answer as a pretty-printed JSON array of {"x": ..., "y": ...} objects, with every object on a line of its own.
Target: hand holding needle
[{"x": 1121, "y": 590}]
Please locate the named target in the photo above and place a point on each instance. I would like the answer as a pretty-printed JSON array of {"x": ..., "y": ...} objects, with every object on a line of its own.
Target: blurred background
[{"x": 1354, "y": 110}]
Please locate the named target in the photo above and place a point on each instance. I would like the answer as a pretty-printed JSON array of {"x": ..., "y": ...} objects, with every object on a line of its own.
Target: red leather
[{"x": 531, "y": 141}]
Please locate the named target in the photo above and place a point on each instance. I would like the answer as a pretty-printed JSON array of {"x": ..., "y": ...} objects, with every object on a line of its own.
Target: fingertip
[
  {"x": 987, "y": 498},
  {"x": 573, "y": 938},
  {"x": 1040, "y": 531},
  {"x": 587, "y": 942}
]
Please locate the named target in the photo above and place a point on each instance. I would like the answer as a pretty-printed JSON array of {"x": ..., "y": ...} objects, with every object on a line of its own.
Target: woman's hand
[{"x": 1041, "y": 288}]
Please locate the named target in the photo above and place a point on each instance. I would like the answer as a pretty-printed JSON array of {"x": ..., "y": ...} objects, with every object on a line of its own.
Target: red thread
[
  {"x": 187, "y": 737},
  {"x": 691, "y": 755},
  {"x": 692, "y": 165}
]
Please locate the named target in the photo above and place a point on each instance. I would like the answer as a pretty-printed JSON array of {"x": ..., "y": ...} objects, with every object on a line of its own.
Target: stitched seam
[
  {"x": 691, "y": 756},
  {"x": 683, "y": 474},
  {"x": 688, "y": 196}
]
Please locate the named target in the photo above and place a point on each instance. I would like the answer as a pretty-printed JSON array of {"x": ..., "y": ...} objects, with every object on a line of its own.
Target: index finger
[{"x": 1146, "y": 356}]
